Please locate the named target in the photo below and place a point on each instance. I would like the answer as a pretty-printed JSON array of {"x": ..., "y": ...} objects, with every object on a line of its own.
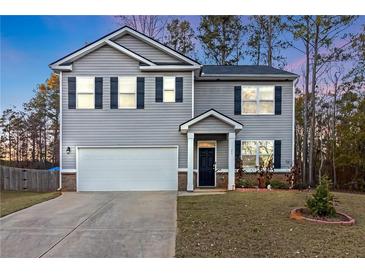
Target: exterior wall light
[{"x": 68, "y": 150}]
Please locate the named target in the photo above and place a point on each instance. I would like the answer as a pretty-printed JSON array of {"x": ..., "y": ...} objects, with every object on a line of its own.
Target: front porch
[{"x": 210, "y": 151}]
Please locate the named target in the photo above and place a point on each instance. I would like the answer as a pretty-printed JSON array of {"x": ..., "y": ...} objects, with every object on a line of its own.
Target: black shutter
[
  {"x": 237, "y": 100},
  {"x": 159, "y": 89},
  {"x": 277, "y": 154},
  {"x": 277, "y": 100},
  {"x": 113, "y": 92},
  {"x": 140, "y": 92},
  {"x": 71, "y": 92},
  {"x": 179, "y": 89},
  {"x": 237, "y": 150},
  {"x": 98, "y": 92}
]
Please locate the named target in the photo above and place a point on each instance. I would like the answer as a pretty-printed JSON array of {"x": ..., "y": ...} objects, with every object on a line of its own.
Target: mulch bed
[{"x": 262, "y": 190}]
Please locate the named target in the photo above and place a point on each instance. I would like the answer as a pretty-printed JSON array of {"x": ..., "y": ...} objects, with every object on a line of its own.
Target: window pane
[
  {"x": 127, "y": 100},
  {"x": 266, "y": 147},
  {"x": 85, "y": 100},
  {"x": 265, "y": 160},
  {"x": 266, "y": 107},
  {"x": 249, "y": 93},
  {"x": 127, "y": 84},
  {"x": 248, "y": 148},
  {"x": 169, "y": 83},
  {"x": 85, "y": 84},
  {"x": 266, "y": 93},
  {"x": 249, "y": 160},
  {"x": 169, "y": 96},
  {"x": 249, "y": 107}
]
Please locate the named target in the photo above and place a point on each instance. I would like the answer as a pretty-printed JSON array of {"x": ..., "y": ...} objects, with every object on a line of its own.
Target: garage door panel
[{"x": 113, "y": 169}]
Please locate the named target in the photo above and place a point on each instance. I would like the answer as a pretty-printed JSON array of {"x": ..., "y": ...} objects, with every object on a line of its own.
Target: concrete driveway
[{"x": 93, "y": 224}]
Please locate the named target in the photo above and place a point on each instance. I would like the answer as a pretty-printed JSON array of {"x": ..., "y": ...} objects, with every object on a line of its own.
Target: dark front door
[{"x": 206, "y": 166}]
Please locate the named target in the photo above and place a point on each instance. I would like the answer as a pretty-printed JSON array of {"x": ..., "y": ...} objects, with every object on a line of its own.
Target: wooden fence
[{"x": 36, "y": 180}]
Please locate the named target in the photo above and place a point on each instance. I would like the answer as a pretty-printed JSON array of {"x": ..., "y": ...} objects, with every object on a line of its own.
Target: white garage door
[{"x": 127, "y": 168}]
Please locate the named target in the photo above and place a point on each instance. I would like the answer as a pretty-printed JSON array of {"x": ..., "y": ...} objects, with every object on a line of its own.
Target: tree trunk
[
  {"x": 334, "y": 133},
  {"x": 313, "y": 104},
  {"x": 258, "y": 51},
  {"x": 269, "y": 42},
  {"x": 305, "y": 108}
]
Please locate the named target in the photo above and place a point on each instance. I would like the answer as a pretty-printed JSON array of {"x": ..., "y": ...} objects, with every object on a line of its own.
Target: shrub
[
  {"x": 264, "y": 173},
  {"x": 321, "y": 203},
  {"x": 293, "y": 177},
  {"x": 246, "y": 183},
  {"x": 279, "y": 185}
]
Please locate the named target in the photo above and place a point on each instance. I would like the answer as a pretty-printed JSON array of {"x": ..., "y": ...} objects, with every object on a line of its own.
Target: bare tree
[
  {"x": 151, "y": 25},
  {"x": 334, "y": 78}
]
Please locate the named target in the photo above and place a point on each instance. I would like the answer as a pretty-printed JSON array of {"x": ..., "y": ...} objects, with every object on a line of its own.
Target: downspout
[{"x": 60, "y": 137}]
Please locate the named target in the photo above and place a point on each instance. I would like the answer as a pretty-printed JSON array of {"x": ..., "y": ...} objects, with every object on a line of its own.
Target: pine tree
[
  {"x": 180, "y": 36},
  {"x": 221, "y": 39}
]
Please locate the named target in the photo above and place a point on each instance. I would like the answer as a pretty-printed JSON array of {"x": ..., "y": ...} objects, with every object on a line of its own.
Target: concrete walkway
[{"x": 93, "y": 224}]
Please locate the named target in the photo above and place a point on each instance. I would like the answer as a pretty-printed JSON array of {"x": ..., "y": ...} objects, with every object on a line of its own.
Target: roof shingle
[{"x": 242, "y": 70}]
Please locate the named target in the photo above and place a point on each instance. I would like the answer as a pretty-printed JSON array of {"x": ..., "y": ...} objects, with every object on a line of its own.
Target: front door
[{"x": 206, "y": 167}]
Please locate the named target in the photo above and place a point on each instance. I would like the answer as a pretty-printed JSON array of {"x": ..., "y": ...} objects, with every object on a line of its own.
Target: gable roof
[
  {"x": 211, "y": 112},
  {"x": 244, "y": 70},
  {"x": 106, "y": 40}
]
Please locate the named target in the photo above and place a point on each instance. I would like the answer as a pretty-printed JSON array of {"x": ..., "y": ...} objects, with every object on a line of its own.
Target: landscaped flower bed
[
  {"x": 302, "y": 213},
  {"x": 320, "y": 208}
]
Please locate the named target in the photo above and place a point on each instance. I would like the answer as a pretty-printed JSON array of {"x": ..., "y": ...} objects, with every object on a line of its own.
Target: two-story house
[{"x": 137, "y": 115}]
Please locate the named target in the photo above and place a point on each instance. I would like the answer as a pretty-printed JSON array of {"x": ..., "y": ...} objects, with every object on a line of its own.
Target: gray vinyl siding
[
  {"x": 145, "y": 50},
  {"x": 211, "y": 125},
  {"x": 220, "y": 96},
  {"x": 156, "y": 124},
  {"x": 222, "y": 154}
]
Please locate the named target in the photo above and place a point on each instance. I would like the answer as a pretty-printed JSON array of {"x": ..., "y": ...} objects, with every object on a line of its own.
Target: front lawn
[
  {"x": 11, "y": 201},
  {"x": 257, "y": 224}
]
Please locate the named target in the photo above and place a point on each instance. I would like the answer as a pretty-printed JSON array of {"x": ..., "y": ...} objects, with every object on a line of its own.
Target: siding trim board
[
  {"x": 57, "y": 65},
  {"x": 211, "y": 112}
]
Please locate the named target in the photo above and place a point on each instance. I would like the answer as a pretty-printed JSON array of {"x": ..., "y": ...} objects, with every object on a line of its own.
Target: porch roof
[{"x": 184, "y": 127}]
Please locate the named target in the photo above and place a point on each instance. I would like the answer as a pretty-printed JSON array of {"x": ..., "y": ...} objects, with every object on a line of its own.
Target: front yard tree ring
[{"x": 301, "y": 213}]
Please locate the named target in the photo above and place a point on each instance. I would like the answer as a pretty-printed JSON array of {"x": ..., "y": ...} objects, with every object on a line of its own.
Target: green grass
[
  {"x": 11, "y": 201},
  {"x": 256, "y": 224}
]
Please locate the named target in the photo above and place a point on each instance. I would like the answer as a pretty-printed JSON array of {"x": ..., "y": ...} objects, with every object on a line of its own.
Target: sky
[{"x": 28, "y": 44}]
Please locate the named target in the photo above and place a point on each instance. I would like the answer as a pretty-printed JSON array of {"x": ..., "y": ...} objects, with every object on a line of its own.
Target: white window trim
[
  {"x": 258, "y": 153},
  {"x": 257, "y": 100},
  {"x": 135, "y": 94},
  {"x": 93, "y": 92},
  {"x": 163, "y": 89}
]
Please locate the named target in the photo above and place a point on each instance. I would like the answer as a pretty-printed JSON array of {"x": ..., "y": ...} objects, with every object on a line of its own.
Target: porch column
[
  {"x": 190, "y": 179},
  {"x": 231, "y": 160}
]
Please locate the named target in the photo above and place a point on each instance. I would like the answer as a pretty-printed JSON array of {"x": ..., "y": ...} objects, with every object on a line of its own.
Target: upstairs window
[
  {"x": 85, "y": 88},
  {"x": 258, "y": 99},
  {"x": 255, "y": 153},
  {"x": 168, "y": 89},
  {"x": 127, "y": 92}
]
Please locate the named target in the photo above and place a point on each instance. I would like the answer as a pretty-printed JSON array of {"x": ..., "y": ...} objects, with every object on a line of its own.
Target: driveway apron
[{"x": 93, "y": 224}]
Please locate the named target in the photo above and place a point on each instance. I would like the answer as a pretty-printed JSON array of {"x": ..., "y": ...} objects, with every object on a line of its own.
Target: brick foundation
[
  {"x": 69, "y": 182},
  {"x": 276, "y": 177},
  {"x": 222, "y": 180},
  {"x": 183, "y": 181}
]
